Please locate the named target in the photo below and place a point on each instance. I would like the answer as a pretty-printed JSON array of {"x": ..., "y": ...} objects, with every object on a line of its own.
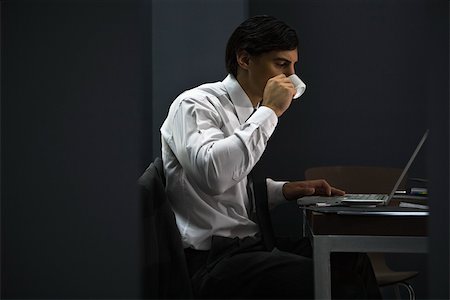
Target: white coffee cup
[{"x": 299, "y": 85}]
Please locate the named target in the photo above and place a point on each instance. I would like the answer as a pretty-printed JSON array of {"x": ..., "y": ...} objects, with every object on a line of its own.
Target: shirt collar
[{"x": 239, "y": 98}]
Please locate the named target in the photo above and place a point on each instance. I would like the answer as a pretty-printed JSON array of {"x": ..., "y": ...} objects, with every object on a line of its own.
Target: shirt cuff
[
  {"x": 265, "y": 117},
  {"x": 275, "y": 192}
]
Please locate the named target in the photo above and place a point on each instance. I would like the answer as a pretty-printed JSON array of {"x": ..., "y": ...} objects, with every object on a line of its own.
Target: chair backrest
[
  {"x": 165, "y": 274},
  {"x": 358, "y": 179}
]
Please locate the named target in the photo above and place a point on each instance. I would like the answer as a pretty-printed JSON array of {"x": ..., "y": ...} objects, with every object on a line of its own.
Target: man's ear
[{"x": 243, "y": 59}]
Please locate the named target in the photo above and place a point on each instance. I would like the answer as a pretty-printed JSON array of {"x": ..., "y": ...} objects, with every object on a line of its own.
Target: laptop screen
[{"x": 408, "y": 165}]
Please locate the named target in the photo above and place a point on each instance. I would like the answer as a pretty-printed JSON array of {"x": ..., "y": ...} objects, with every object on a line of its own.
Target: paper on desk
[{"x": 413, "y": 205}]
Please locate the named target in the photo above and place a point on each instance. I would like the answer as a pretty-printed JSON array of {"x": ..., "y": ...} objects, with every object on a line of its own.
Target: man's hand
[
  {"x": 278, "y": 94},
  {"x": 296, "y": 189}
]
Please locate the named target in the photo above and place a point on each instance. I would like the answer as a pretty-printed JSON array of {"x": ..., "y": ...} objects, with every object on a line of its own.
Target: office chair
[
  {"x": 165, "y": 270},
  {"x": 369, "y": 179},
  {"x": 165, "y": 273}
]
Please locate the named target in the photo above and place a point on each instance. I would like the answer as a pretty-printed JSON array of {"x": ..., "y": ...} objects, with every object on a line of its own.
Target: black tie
[
  {"x": 259, "y": 206},
  {"x": 251, "y": 199}
]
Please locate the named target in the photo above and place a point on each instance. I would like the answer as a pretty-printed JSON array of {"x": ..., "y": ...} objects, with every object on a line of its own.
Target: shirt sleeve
[
  {"x": 214, "y": 159},
  {"x": 275, "y": 192}
]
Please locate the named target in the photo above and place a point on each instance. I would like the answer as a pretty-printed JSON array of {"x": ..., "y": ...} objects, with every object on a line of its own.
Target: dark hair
[{"x": 257, "y": 35}]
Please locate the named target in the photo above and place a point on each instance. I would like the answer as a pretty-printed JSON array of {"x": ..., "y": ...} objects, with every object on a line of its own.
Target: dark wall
[
  {"x": 189, "y": 39},
  {"x": 72, "y": 91},
  {"x": 439, "y": 154},
  {"x": 365, "y": 64}
]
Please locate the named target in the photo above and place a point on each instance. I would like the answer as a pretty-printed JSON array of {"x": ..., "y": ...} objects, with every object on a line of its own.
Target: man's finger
[
  {"x": 324, "y": 187},
  {"x": 337, "y": 192},
  {"x": 307, "y": 191}
]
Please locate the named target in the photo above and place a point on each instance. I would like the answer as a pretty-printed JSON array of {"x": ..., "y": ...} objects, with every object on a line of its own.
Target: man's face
[{"x": 267, "y": 65}]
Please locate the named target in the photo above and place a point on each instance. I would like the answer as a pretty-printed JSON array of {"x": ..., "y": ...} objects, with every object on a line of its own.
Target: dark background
[{"x": 85, "y": 86}]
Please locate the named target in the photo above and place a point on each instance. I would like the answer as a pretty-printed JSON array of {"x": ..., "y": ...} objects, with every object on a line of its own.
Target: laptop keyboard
[{"x": 365, "y": 196}]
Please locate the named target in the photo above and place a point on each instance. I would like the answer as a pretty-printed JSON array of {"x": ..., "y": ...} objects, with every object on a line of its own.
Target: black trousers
[{"x": 244, "y": 268}]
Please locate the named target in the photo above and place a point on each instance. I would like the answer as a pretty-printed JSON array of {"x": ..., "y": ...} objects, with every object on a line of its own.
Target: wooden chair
[{"x": 369, "y": 179}]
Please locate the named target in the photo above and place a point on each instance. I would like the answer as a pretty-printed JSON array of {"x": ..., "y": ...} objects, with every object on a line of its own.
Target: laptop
[{"x": 362, "y": 199}]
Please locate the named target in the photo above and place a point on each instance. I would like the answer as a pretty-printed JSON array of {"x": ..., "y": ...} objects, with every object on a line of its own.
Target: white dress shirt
[{"x": 211, "y": 140}]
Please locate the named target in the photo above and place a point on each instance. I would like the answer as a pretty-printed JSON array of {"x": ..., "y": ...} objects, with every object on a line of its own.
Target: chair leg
[
  {"x": 412, "y": 294},
  {"x": 408, "y": 287}
]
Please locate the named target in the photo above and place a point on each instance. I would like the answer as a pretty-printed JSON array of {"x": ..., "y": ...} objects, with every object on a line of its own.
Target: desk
[{"x": 335, "y": 232}]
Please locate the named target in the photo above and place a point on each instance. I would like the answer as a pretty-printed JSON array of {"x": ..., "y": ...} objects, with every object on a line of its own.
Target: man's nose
[{"x": 291, "y": 71}]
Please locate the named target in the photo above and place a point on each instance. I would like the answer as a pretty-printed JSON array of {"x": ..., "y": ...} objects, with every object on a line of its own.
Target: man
[{"x": 211, "y": 140}]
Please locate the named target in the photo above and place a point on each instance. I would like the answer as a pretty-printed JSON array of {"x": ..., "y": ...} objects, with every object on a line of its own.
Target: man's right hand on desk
[{"x": 296, "y": 189}]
